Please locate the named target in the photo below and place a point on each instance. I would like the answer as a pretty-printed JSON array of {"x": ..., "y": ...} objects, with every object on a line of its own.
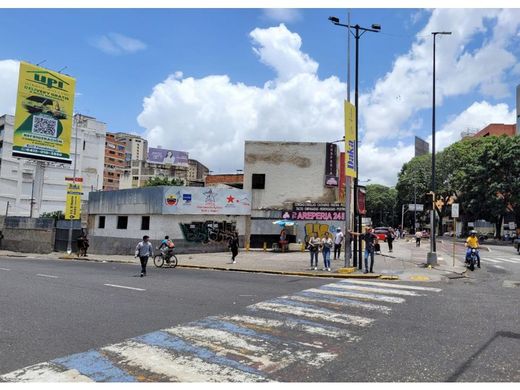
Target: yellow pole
[
  {"x": 265, "y": 246},
  {"x": 302, "y": 248}
]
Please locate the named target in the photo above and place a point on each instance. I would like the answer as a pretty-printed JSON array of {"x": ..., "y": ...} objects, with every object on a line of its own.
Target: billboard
[
  {"x": 206, "y": 200},
  {"x": 350, "y": 139},
  {"x": 44, "y": 114},
  {"x": 421, "y": 147},
  {"x": 331, "y": 161},
  {"x": 167, "y": 156}
]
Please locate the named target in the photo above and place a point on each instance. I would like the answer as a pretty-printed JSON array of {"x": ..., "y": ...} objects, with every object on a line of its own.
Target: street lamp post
[
  {"x": 431, "y": 258},
  {"x": 357, "y": 218}
]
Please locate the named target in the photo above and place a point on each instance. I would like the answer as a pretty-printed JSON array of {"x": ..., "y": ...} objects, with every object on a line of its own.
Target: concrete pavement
[{"x": 406, "y": 262}]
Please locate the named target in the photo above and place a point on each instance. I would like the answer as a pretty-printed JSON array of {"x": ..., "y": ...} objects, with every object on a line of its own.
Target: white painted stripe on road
[
  {"x": 5, "y": 269},
  {"x": 491, "y": 260},
  {"x": 348, "y": 294},
  {"x": 326, "y": 315},
  {"x": 363, "y": 305},
  {"x": 175, "y": 367},
  {"x": 375, "y": 289},
  {"x": 498, "y": 266},
  {"x": 393, "y": 285},
  {"x": 506, "y": 260},
  {"x": 261, "y": 353},
  {"x": 335, "y": 333},
  {"x": 128, "y": 288},
  {"x": 44, "y": 372},
  {"x": 47, "y": 276}
]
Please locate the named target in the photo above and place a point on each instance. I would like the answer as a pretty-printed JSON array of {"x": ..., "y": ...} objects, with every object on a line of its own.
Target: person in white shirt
[
  {"x": 338, "y": 239},
  {"x": 326, "y": 244}
]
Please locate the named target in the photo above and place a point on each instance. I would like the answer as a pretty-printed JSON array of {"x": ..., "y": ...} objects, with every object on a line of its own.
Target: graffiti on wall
[
  {"x": 207, "y": 231},
  {"x": 320, "y": 228}
]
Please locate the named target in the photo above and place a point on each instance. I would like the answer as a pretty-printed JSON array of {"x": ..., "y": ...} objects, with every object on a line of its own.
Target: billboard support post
[{"x": 75, "y": 126}]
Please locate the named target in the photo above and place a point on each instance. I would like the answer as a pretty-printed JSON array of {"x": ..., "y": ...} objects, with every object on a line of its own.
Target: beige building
[
  {"x": 136, "y": 147},
  {"x": 197, "y": 172}
]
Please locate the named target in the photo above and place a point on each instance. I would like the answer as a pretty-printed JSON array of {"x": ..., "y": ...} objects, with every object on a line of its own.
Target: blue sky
[{"x": 153, "y": 72}]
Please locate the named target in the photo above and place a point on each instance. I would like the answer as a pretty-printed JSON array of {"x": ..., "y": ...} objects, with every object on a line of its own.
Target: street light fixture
[
  {"x": 357, "y": 219},
  {"x": 431, "y": 258}
]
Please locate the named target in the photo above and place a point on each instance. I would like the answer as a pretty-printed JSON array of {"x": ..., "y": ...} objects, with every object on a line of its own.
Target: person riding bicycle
[
  {"x": 472, "y": 243},
  {"x": 168, "y": 246}
]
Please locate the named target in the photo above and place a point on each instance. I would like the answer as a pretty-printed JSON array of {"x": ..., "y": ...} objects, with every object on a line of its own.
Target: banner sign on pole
[
  {"x": 73, "y": 204},
  {"x": 350, "y": 139},
  {"x": 44, "y": 114},
  {"x": 454, "y": 210},
  {"x": 362, "y": 200}
]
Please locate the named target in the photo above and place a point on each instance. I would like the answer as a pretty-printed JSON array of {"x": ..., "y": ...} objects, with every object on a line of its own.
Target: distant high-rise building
[
  {"x": 114, "y": 162},
  {"x": 421, "y": 147},
  {"x": 136, "y": 147}
]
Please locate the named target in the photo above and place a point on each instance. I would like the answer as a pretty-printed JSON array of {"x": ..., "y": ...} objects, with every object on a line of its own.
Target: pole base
[{"x": 431, "y": 258}]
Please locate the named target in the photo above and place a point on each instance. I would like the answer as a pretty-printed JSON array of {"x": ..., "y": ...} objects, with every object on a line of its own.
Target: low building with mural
[
  {"x": 198, "y": 219},
  {"x": 296, "y": 181}
]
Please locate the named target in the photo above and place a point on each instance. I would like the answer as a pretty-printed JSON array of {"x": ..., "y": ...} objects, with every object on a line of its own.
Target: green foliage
[
  {"x": 380, "y": 204},
  {"x": 57, "y": 215},
  {"x": 163, "y": 181}
]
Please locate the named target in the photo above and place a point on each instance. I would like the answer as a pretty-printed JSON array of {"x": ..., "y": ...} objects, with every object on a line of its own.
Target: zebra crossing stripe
[
  {"x": 506, "y": 260},
  {"x": 341, "y": 302},
  {"x": 293, "y": 308},
  {"x": 491, "y": 260},
  {"x": 45, "y": 372},
  {"x": 350, "y": 294},
  {"x": 169, "y": 341},
  {"x": 262, "y": 355},
  {"x": 159, "y": 361},
  {"x": 95, "y": 366},
  {"x": 375, "y": 290},
  {"x": 391, "y": 285},
  {"x": 312, "y": 328}
]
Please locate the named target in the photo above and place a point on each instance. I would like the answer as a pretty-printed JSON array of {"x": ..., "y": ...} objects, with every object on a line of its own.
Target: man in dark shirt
[{"x": 370, "y": 240}]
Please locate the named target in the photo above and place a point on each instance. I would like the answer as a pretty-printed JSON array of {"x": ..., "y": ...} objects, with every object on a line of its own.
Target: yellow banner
[
  {"x": 73, "y": 205},
  {"x": 350, "y": 139},
  {"x": 44, "y": 114}
]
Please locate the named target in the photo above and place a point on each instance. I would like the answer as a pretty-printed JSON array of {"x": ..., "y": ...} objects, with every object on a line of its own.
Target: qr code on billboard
[{"x": 45, "y": 126}]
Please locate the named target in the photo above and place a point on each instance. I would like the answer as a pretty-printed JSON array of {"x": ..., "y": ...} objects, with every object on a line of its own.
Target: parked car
[
  {"x": 425, "y": 234},
  {"x": 381, "y": 233}
]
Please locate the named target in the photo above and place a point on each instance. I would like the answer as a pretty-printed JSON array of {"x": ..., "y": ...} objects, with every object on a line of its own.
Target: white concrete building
[
  {"x": 284, "y": 177},
  {"x": 22, "y": 179}
]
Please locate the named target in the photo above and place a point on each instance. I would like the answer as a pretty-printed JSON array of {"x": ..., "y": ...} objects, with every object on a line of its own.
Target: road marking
[
  {"x": 45, "y": 372},
  {"x": 128, "y": 288},
  {"x": 175, "y": 367},
  {"x": 348, "y": 294},
  {"x": 375, "y": 289},
  {"x": 5, "y": 269},
  {"x": 336, "y": 301},
  {"x": 491, "y": 260},
  {"x": 506, "y": 260},
  {"x": 392, "y": 285},
  {"x": 497, "y": 266},
  {"x": 47, "y": 276}
]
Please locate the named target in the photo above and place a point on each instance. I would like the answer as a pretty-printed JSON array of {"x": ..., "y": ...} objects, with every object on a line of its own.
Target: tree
[
  {"x": 57, "y": 215},
  {"x": 163, "y": 181},
  {"x": 380, "y": 204}
]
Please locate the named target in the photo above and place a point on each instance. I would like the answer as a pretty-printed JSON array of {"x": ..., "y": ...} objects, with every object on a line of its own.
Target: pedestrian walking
[
  {"x": 390, "y": 239},
  {"x": 314, "y": 248},
  {"x": 370, "y": 240},
  {"x": 144, "y": 250},
  {"x": 326, "y": 245},
  {"x": 283, "y": 240},
  {"x": 233, "y": 245},
  {"x": 418, "y": 236},
  {"x": 338, "y": 239}
]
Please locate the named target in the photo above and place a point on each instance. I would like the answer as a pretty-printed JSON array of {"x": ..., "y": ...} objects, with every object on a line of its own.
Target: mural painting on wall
[
  {"x": 320, "y": 228},
  {"x": 207, "y": 231}
]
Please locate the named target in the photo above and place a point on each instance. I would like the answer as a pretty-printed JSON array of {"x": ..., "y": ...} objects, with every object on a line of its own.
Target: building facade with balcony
[{"x": 115, "y": 162}]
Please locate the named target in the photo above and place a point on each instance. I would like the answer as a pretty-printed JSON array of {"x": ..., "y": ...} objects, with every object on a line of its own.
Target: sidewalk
[{"x": 406, "y": 262}]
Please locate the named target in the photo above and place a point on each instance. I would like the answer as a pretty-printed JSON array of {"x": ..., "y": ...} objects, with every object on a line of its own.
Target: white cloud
[
  {"x": 286, "y": 15},
  {"x": 9, "y": 81},
  {"x": 115, "y": 43},
  {"x": 211, "y": 117}
]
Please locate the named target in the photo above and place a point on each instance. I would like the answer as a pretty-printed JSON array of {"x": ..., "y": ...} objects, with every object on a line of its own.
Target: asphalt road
[{"x": 467, "y": 330}]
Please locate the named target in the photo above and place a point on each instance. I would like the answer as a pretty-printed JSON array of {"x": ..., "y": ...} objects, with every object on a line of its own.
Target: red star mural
[{"x": 230, "y": 199}]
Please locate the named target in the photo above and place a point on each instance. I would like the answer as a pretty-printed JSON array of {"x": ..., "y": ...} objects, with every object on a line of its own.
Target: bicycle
[{"x": 164, "y": 258}]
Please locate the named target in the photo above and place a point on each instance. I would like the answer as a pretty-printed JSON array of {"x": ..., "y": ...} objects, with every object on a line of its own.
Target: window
[
  {"x": 258, "y": 181},
  {"x": 145, "y": 222},
  {"x": 101, "y": 222},
  {"x": 122, "y": 222}
]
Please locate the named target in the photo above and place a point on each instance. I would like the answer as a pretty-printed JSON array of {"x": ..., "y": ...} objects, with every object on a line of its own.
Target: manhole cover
[
  {"x": 510, "y": 283},
  {"x": 419, "y": 278}
]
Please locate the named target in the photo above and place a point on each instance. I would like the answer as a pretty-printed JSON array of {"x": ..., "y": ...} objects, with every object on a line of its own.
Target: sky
[{"x": 204, "y": 80}]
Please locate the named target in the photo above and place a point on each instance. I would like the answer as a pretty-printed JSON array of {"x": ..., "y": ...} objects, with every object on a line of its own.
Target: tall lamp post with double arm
[{"x": 358, "y": 31}]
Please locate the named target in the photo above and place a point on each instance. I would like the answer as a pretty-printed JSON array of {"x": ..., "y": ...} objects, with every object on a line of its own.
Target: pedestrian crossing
[
  {"x": 500, "y": 259},
  {"x": 268, "y": 342}
]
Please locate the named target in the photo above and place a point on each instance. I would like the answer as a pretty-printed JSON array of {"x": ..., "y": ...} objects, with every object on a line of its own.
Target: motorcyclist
[
  {"x": 166, "y": 247},
  {"x": 472, "y": 243}
]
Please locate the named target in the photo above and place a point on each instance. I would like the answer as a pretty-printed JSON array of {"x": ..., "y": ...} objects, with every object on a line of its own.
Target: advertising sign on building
[
  {"x": 206, "y": 200},
  {"x": 317, "y": 212},
  {"x": 44, "y": 114},
  {"x": 362, "y": 210},
  {"x": 331, "y": 169},
  {"x": 73, "y": 203},
  {"x": 350, "y": 139},
  {"x": 342, "y": 178},
  {"x": 167, "y": 156}
]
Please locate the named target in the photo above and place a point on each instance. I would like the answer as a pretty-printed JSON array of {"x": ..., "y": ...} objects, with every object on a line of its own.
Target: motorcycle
[{"x": 471, "y": 259}]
